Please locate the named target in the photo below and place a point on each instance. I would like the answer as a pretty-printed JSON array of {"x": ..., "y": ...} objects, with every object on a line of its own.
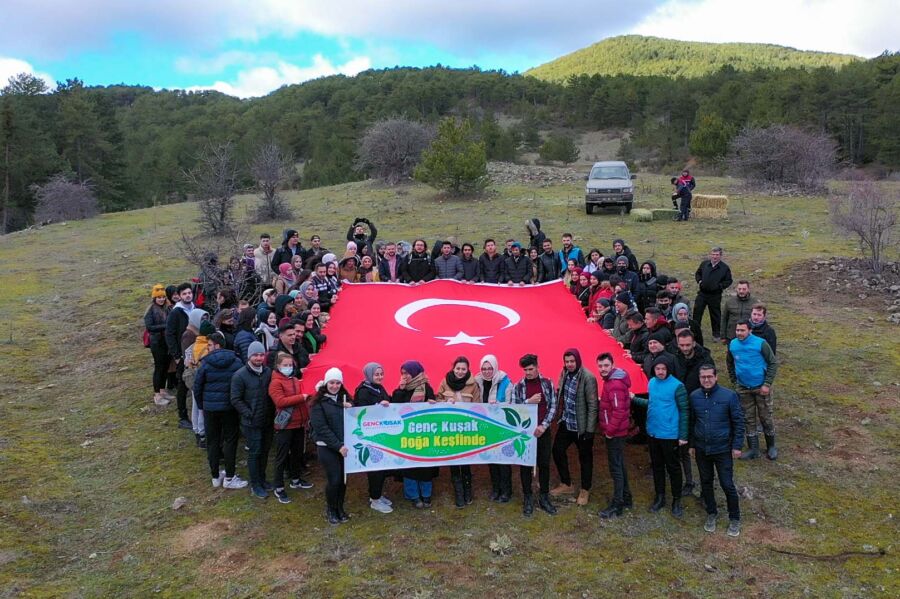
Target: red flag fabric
[{"x": 435, "y": 322}]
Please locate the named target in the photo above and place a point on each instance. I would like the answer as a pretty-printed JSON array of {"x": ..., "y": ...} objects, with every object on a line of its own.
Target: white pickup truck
[{"x": 609, "y": 184}]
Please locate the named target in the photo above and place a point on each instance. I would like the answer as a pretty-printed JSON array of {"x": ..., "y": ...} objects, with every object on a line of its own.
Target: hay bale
[
  {"x": 709, "y": 206},
  {"x": 663, "y": 213},
  {"x": 641, "y": 215}
]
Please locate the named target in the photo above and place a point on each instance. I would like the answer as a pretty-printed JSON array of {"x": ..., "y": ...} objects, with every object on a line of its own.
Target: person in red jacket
[
  {"x": 291, "y": 420},
  {"x": 615, "y": 424}
]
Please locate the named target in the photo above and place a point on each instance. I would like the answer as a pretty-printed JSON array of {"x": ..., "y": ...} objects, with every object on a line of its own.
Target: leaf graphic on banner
[
  {"x": 512, "y": 416},
  {"x": 527, "y": 423},
  {"x": 359, "y": 418},
  {"x": 365, "y": 456},
  {"x": 519, "y": 445}
]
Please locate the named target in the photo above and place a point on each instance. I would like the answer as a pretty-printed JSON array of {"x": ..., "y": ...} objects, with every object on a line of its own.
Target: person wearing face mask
[
  {"x": 459, "y": 386},
  {"x": 629, "y": 277},
  {"x": 291, "y": 420},
  {"x": 371, "y": 392},
  {"x": 620, "y": 250},
  {"x": 496, "y": 387},
  {"x": 326, "y": 416}
]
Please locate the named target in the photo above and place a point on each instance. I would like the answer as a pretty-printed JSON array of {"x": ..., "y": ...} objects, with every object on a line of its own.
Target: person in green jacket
[{"x": 667, "y": 430}]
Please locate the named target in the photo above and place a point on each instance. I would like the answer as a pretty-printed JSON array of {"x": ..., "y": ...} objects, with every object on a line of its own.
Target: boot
[
  {"x": 771, "y": 450},
  {"x": 467, "y": 487},
  {"x": 505, "y": 488},
  {"x": 528, "y": 505},
  {"x": 583, "y": 497},
  {"x": 562, "y": 489},
  {"x": 613, "y": 510},
  {"x": 331, "y": 516},
  {"x": 342, "y": 515},
  {"x": 658, "y": 504},
  {"x": 627, "y": 500},
  {"x": 545, "y": 504},
  {"x": 753, "y": 452},
  {"x": 677, "y": 509},
  {"x": 495, "y": 486},
  {"x": 458, "y": 491}
]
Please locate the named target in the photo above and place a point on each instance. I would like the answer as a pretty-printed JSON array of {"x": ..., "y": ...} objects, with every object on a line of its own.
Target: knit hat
[
  {"x": 158, "y": 291},
  {"x": 256, "y": 348},
  {"x": 334, "y": 374},
  {"x": 624, "y": 297},
  {"x": 412, "y": 368},
  {"x": 603, "y": 301},
  {"x": 328, "y": 258},
  {"x": 196, "y": 318},
  {"x": 622, "y": 259},
  {"x": 657, "y": 336},
  {"x": 207, "y": 328}
]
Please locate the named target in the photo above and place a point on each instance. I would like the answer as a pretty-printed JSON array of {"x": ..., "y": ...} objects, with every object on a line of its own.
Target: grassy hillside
[
  {"x": 89, "y": 468},
  {"x": 640, "y": 55}
]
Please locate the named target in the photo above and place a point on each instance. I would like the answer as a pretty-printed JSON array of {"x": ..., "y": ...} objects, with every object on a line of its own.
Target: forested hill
[{"x": 643, "y": 56}]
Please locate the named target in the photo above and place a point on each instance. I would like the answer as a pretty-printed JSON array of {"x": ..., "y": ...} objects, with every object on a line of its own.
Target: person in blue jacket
[{"x": 716, "y": 437}]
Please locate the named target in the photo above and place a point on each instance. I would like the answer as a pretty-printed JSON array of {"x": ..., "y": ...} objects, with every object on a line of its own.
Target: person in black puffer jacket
[
  {"x": 647, "y": 285},
  {"x": 326, "y": 417},
  {"x": 212, "y": 394},
  {"x": 418, "y": 266},
  {"x": 250, "y": 397}
]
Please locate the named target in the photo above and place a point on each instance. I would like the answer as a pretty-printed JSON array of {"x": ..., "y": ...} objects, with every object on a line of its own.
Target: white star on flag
[{"x": 463, "y": 339}]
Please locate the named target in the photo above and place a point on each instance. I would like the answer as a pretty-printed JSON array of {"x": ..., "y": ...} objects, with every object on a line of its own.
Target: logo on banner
[{"x": 406, "y": 312}]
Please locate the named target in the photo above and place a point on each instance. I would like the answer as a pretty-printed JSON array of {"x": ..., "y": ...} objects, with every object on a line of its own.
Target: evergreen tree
[{"x": 454, "y": 161}]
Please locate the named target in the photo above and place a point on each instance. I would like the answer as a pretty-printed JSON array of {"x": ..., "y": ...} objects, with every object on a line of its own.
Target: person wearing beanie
[
  {"x": 495, "y": 387},
  {"x": 212, "y": 395},
  {"x": 291, "y": 422},
  {"x": 244, "y": 335},
  {"x": 250, "y": 397},
  {"x": 155, "y": 325},
  {"x": 622, "y": 307},
  {"x": 290, "y": 247},
  {"x": 326, "y": 417},
  {"x": 667, "y": 429},
  {"x": 629, "y": 277},
  {"x": 577, "y": 389},
  {"x": 413, "y": 388},
  {"x": 656, "y": 347}
]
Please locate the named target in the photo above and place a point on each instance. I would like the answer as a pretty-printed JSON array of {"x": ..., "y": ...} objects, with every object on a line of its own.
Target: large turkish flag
[{"x": 435, "y": 322}]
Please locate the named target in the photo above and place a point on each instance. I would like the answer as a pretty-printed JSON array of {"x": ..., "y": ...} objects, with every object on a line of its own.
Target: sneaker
[
  {"x": 583, "y": 497},
  {"x": 185, "y": 424},
  {"x": 417, "y": 503},
  {"x": 734, "y": 528},
  {"x": 235, "y": 482},
  {"x": 161, "y": 400},
  {"x": 268, "y": 486},
  {"x": 426, "y": 502},
  {"x": 383, "y": 499},
  {"x": 562, "y": 489},
  {"x": 282, "y": 496},
  {"x": 378, "y": 506},
  {"x": 259, "y": 492},
  {"x": 299, "y": 483},
  {"x": 688, "y": 490},
  {"x": 710, "y": 525},
  {"x": 217, "y": 482}
]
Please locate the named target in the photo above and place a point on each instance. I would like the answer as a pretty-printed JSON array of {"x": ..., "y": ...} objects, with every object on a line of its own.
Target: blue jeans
[{"x": 414, "y": 489}]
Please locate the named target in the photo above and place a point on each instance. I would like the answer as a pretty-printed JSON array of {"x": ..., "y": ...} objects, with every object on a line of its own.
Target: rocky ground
[
  {"x": 507, "y": 173},
  {"x": 849, "y": 281}
]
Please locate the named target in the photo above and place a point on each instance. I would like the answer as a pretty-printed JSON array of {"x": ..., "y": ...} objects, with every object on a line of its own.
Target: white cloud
[
  {"x": 217, "y": 64},
  {"x": 259, "y": 81},
  {"x": 864, "y": 28},
  {"x": 9, "y": 67}
]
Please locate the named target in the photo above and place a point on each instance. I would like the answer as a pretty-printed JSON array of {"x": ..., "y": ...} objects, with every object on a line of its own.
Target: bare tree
[
  {"x": 782, "y": 156},
  {"x": 391, "y": 149},
  {"x": 214, "y": 179},
  {"x": 61, "y": 199},
  {"x": 272, "y": 169},
  {"x": 869, "y": 213}
]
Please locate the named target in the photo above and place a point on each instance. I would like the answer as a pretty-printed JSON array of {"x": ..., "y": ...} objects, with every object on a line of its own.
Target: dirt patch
[
  {"x": 461, "y": 574},
  {"x": 851, "y": 448},
  {"x": 765, "y": 533},
  {"x": 288, "y": 571},
  {"x": 231, "y": 563},
  {"x": 202, "y": 535}
]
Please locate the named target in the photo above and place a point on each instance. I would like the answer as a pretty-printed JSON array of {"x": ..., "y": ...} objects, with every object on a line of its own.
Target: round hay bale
[{"x": 641, "y": 215}]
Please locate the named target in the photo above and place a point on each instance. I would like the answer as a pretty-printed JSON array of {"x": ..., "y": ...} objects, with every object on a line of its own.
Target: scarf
[
  {"x": 312, "y": 341},
  {"x": 754, "y": 326},
  {"x": 369, "y": 374},
  {"x": 417, "y": 384},
  {"x": 457, "y": 384}
]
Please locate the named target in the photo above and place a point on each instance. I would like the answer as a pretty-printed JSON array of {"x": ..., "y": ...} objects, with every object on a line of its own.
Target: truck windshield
[{"x": 609, "y": 172}]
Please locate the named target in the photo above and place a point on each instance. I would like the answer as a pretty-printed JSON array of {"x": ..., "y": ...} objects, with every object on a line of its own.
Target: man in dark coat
[
  {"x": 713, "y": 277},
  {"x": 548, "y": 263},
  {"x": 418, "y": 266},
  {"x": 250, "y": 397},
  {"x": 759, "y": 326},
  {"x": 357, "y": 234},
  {"x": 516, "y": 267},
  {"x": 621, "y": 249},
  {"x": 490, "y": 263},
  {"x": 290, "y": 246},
  {"x": 176, "y": 324},
  {"x": 469, "y": 263}
]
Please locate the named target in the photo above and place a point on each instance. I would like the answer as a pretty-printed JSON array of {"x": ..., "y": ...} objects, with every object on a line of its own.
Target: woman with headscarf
[
  {"x": 681, "y": 318},
  {"x": 349, "y": 269},
  {"x": 371, "y": 392},
  {"x": 311, "y": 340},
  {"x": 326, "y": 418},
  {"x": 155, "y": 323},
  {"x": 533, "y": 255},
  {"x": 647, "y": 287},
  {"x": 285, "y": 279},
  {"x": 495, "y": 387},
  {"x": 583, "y": 290},
  {"x": 459, "y": 385},
  {"x": 367, "y": 272},
  {"x": 320, "y": 317},
  {"x": 414, "y": 387},
  {"x": 267, "y": 331}
]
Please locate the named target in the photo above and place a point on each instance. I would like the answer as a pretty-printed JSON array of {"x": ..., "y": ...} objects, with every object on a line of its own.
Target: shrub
[
  {"x": 454, "y": 161},
  {"x": 60, "y": 199},
  {"x": 871, "y": 215},
  {"x": 214, "y": 180},
  {"x": 271, "y": 169},
  {"x": 391, "y": 149},
  {"x": 561, "y": 148}
]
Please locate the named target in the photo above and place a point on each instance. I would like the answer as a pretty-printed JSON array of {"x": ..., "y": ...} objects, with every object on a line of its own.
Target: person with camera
[{"x": 357, "y": 234}]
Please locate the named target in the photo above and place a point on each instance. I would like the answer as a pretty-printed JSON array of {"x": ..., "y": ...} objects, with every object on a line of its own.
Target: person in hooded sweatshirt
[
  {"x": 458, "y": 385},
  {"x": 647, "y": 287},
  {"x": 629, "y": 277},
  {"x": 212, "y": 388},
  {"x": 667, "y": 429},
  {"x": 291, "y": 421},
  {"x": 536, "y": 237},
  {"x": 621, "y": 249},
  {"x": 326, "y": 416},
  {"x": 614, "y": 423},
  {"x": 250, "y": 397},
  {"x": 496, "y": 387},
  {"x": 371, "y": 392},
  {"x": 290, "y": 247}
]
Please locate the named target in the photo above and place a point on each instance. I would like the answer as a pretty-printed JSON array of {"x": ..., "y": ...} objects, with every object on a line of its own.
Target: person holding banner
[
  {"x": 371, "y": 392},
  {"x": 414, "y": 387},
  {"x": 535, "y": 389},
  {"x": 495, "y": 387},
  {"x": 326, "y": 416},
  {"x": 459, "y": 385}
]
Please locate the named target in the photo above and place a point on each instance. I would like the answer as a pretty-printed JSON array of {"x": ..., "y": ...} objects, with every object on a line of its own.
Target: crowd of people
[{"x": 237, "y": 340}]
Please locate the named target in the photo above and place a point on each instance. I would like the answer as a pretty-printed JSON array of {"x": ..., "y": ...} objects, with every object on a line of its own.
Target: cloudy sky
[{"x": 248, "y": 48}]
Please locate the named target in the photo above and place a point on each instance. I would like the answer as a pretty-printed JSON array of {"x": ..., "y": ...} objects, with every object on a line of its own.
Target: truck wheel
[
  {"x": 628, "y": 208},
  {"x": 588, "y": 209}
]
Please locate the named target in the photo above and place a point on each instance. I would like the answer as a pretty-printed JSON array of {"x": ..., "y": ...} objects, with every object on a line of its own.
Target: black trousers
[
  {"x": 460, "y": 472},
  {"x": 333, "y": 463},
  {"x": 684, "y": 455},
  {"x": 501, "y": 478},
  {"x": 259, "y": 442},
  {"x": 181, "y": 392},
  {"x": 543, "y": 465},
  {"x": 723, "y": 464},
  {"x": 376, "y": 483},
  {"x": 664, "y": 458},
  {"x": 615, "y": 456},
  {"x": 288, "y": 454},
  {"x": 161, "y": 361},
  {"x": 564, "y": 438},
  {"x": 221, "y": 440},
  {"x": 713, "y": 301}
]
